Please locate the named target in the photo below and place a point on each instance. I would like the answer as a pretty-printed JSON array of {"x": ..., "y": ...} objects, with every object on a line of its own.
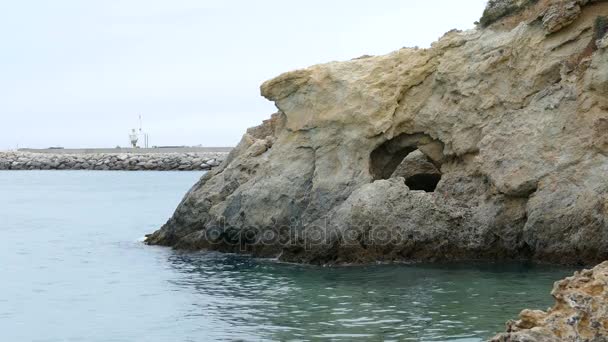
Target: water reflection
[{"x": 266, "y": 300}]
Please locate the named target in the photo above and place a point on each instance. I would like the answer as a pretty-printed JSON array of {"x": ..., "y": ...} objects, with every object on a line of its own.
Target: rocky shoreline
[
  {"x": 491, "y": 144},
  {"x": 112, "y": 161}
]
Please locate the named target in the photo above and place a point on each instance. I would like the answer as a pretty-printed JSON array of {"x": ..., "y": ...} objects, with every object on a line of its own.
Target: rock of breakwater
[
  {"x": 110, "y": 161},
  {"x": 506, "y": 125},
  {"x": 580, "y": 312}
]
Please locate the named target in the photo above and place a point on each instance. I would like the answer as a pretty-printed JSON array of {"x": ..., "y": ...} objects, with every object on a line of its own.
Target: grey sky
[{"x": 78, "y": 73}]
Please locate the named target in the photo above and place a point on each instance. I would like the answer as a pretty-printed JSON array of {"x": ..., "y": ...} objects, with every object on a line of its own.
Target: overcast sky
[{"x": 77, "y": 73}]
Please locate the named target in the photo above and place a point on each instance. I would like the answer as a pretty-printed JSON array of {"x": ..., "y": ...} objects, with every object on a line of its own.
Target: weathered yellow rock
[
  {"x": 579, "y": 314},
  {"x": 513, "y": 115}
]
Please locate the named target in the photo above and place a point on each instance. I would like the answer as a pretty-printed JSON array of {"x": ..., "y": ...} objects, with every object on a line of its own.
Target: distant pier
[
  {"x": 107, "y": 159},
  {"x": 167, "y": 149}
]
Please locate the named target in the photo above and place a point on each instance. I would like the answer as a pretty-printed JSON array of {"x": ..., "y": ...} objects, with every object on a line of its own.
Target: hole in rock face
[
  {"x": 385, "y": 160},
  {"x": 403, "y": 157},
  {"x": 423, "y": 181}
]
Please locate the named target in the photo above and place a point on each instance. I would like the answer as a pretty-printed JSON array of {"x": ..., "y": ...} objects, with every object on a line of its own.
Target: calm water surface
[{"x": 73, "y": 269}]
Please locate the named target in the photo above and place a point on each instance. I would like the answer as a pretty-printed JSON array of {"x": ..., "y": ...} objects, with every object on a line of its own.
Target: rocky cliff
[
  {"x": 579, "y": 314},
  {"x": 491, "y": 144}
]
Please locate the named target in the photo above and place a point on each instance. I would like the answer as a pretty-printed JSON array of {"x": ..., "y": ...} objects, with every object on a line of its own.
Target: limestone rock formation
[
  {"x": 579, "y": 314},
  {"x": 513, "y": 117}
]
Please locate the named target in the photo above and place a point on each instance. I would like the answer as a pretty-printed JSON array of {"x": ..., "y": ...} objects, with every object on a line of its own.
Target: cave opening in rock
[
  {"x": 414, "y": 157},
  {"x": 423, "y": 181},
  {"x": 385, "y": 160}
]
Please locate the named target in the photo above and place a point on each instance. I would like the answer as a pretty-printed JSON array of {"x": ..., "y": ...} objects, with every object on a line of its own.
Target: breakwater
[{"x": 126, "y": 161}]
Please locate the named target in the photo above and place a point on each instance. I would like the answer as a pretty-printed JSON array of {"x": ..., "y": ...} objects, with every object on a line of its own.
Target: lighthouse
[{"x": 134, "y": 136}]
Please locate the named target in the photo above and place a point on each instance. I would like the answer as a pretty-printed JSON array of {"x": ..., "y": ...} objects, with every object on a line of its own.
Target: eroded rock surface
[
  {"x": 513, "y": 116},
  {"x": 579, "y": 314}
]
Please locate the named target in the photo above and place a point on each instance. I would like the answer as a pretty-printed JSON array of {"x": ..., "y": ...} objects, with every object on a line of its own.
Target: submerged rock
[
  {"x": 579, "y": 314},
  {"x": 510, "y": 120}
]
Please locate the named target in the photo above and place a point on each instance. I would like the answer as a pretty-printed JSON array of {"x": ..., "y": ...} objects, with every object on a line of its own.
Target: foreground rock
[
  {"x": 580, "y": 312},
  {"x": 512, "y": 120},
  {"x": 111, "y": 161}
]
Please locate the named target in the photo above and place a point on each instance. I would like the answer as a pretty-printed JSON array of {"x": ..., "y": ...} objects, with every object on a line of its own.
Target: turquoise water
[{"x": 73, "y": 268}]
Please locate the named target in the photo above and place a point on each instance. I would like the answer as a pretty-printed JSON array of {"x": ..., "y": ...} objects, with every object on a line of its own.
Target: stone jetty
[{"x": 173, "y": 161}]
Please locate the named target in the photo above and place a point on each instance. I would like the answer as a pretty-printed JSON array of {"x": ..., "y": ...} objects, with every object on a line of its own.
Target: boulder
[{"x": 418, "y": 171}]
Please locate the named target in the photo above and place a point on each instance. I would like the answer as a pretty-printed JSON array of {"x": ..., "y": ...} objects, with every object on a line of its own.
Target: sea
[{"x": 73, "y": 267}]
